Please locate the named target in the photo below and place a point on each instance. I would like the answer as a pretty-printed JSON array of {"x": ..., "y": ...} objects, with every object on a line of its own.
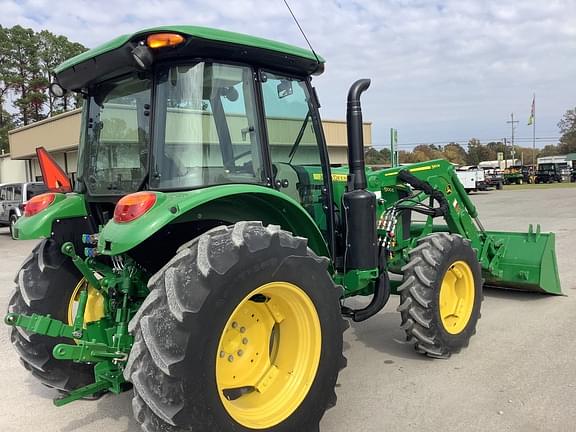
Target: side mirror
[
  {"x": 57, "y": 90},
  {"x": 284, "y": 89}
]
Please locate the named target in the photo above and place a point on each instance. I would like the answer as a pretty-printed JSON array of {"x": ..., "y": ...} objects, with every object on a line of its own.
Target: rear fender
[
  {"x": 227, "y": 203},
  {"x": 65, "y": 206}
]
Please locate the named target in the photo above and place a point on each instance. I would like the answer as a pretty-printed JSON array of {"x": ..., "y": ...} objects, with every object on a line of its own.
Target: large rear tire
[
  {"x": 46, "y": 282},
  {"x": 441, "y": 295},
  {"x": 242, "y": 331}
]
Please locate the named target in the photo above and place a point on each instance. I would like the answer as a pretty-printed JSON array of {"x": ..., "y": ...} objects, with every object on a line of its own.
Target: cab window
[{"x": 294, "y": 142}]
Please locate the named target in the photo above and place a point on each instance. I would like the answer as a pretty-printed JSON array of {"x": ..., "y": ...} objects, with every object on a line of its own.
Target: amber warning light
[
  {"x": 160, "y": 40},
  {"x": 133, "y": 206}
]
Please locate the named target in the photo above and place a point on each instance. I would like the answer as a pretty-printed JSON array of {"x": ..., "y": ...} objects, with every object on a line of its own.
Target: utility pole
[
  {"x": 505, "y": 156},
  {"x": 512, "y": 123}
]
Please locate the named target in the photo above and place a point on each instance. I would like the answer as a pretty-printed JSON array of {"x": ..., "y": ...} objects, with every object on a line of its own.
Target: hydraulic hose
[{"x": 424, "y": 186}]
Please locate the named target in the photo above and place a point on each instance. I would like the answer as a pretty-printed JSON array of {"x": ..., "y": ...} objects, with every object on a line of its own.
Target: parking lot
[{"x": 519, "y": 373}]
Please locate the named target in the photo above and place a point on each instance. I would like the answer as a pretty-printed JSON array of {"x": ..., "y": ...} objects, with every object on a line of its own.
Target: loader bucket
[{"x": 527, "y": 262}]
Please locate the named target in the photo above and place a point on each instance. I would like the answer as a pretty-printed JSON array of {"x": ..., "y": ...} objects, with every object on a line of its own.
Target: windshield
[
  {"x": 117, "y": 136},
  {"x": 206, "y": 131}
]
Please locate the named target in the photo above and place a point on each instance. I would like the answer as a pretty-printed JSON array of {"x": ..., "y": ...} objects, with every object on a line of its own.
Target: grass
[{"x": 541, "y": 186}]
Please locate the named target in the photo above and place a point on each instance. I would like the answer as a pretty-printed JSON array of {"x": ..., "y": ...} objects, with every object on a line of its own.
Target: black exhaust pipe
[
  {"x": 360, "y": 211},
  {"x": 356, "y": 135},
  {"x": 359, "y": 204}
]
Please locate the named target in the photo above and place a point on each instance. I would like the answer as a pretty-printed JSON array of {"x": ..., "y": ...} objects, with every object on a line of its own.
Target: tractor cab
[{"x": 168, "y": 117}]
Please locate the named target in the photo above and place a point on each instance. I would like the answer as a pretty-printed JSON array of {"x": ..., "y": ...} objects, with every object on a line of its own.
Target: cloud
[{"x": 441, "y": 70}]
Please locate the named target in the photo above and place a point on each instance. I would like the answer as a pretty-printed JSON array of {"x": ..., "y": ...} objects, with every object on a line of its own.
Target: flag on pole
[{"x": 532, "y": 111}]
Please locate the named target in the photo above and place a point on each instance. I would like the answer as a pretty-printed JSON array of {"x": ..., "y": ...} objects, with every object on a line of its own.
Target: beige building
[{"x": 60, "y": 135}]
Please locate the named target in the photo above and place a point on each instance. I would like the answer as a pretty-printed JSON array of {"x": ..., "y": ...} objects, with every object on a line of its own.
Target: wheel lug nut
[
  {"x": 245, "y": 341},
  {"x": 234, "y": 324},
  {"x": 240, "y": 353},
  {"x": 230, "y": 358},
  {"x": 242, "y": 329},
  {"x": 222, "y": 354}
]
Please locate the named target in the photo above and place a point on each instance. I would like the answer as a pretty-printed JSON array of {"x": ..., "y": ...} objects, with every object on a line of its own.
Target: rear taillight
[
  {"x": 133, "y": 206},
  {"x": 38, "y": 203}
]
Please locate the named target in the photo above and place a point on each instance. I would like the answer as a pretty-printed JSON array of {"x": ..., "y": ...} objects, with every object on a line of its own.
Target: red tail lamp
[
  {"x": 133, "y": 206},
  {"x": 39, "y": 203}
]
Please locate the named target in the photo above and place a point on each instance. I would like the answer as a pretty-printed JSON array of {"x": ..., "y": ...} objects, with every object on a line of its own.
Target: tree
[
  {"x": 25, "y": 77},
  {"x": 27, "y": 60},
  {"x": 375, "y": 157},
  {"x": 53, "y": 51},
  {"x": 567, "y": 126},
  {"x": 549, "y": 150},
  {"x": 455, "y": 153},
  {"x": 477, "y": 152},
  {"x": 4, "y": 71},
  {"x": 7, "y": 124},
  {"x": 426, "y": 152}
]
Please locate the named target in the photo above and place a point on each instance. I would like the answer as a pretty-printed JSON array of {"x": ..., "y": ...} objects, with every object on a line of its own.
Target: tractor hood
[{"x": 115, "y": 57}]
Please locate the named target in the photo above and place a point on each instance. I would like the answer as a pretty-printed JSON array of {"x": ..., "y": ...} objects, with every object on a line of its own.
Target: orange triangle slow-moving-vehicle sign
[{"x": 54, "y": 177}]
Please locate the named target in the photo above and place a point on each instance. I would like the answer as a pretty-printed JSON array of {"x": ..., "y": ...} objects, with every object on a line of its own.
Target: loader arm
[
  {"x": 432, "y": 179},
  {"x": 523, "y": 261}
]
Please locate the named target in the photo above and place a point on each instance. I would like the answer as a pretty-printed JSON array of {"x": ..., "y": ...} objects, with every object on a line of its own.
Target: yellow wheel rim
[
  {"x": 268, "y": 355},
  {"x": 94, "y": 306},
  {"x": 457, "y": 297}
]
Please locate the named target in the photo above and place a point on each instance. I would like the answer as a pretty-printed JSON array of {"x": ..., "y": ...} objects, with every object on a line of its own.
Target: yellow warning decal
[
  {"x": 425, "y": 168},
  {"x": 335, "y": 177},
  {"x": 422, "y": 168},
  {"x": 448, "y": 189}
]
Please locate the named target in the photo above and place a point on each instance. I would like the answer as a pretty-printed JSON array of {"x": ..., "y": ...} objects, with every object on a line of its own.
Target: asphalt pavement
[{"x": 518, "y": 374}]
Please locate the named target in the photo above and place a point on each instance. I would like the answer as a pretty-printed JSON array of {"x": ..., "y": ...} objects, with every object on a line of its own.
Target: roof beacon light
[{"x": 161, "y": 40}]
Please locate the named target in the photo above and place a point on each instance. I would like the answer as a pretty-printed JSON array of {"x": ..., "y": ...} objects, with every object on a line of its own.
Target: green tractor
[{"x": 205, "y": 254}]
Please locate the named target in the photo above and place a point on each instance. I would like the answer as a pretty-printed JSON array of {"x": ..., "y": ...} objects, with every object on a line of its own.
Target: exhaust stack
[
  {"x": 359, "y": 204},
  {"x": 357, "y": 179}
]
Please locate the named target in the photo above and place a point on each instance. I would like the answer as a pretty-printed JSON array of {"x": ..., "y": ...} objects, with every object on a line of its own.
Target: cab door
[{"x": 300, "y": 165}]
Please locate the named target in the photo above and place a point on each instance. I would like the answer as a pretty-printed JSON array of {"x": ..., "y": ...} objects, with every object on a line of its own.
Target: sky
[{"x": 441, "y": 70}]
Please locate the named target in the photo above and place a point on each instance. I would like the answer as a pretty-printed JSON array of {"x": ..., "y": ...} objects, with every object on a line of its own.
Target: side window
[
  {"x": 8, "y": 193},
  {"x": 293, "y": 142},
  {"x": 2, "y": 193},
  {"x": 118, "y": 133},
  {"x": 288, "y": 119},
  {"x": 17, "y": 192}
]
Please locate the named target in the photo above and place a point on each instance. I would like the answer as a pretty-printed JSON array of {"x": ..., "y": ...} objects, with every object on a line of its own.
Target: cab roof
[{"x": 83, "y": 69}]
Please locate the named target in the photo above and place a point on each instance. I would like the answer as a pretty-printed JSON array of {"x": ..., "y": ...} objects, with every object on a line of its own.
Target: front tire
[
  {"x": 45, "y": 284},
  {"x": 241, "y": 331},
  {"x": 441, "y": 295}
]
